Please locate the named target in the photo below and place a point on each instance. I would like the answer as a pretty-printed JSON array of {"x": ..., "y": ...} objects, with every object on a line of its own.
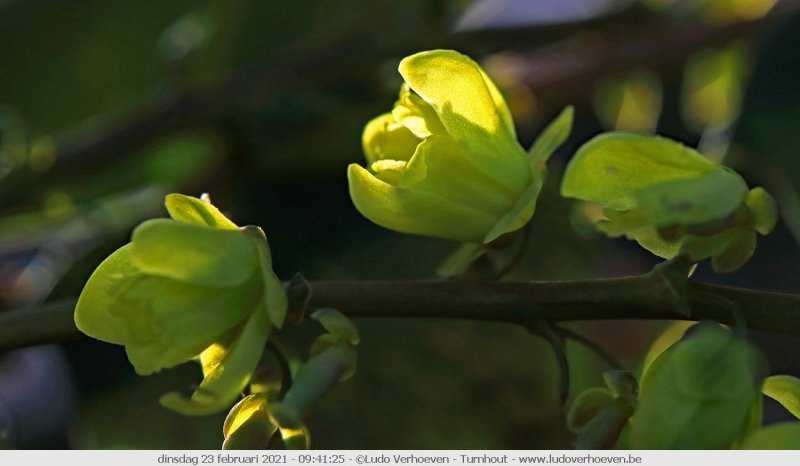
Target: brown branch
[{"x": 642, "y": 297}]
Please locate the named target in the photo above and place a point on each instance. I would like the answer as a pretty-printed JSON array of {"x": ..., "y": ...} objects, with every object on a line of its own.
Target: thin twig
[
  {"x": 548, "y": 333},
  {"x": 609, "y": 358}
]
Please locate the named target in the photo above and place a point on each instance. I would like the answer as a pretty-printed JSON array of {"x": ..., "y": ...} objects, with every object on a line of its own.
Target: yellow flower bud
[{"x": 446, "y": 162}]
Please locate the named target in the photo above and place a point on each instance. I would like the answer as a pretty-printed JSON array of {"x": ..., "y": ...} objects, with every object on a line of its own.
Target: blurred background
[{"x": 107, "y": 106}]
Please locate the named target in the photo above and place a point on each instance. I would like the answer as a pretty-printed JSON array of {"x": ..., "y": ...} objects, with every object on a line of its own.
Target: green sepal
[
  {"x": 604, "y": 429},
  {"x": 763, "y": 208},
  {"x": 456, "y": 263},
  {"x": 586, "y": 406},
  {"x": 275, "y": 300},
  {"x": 293, "y": 430},
  {"x": 621, "y": 384},
  {"x": 337, "y": 324},
  {"x": 551, "y": 138},
  {"x": 296, "y": 439},
  {"x": 248, "y": 425}
]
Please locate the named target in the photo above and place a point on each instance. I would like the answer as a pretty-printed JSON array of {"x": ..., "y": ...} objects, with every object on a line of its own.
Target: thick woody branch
[{"x": 642, "y": 297}]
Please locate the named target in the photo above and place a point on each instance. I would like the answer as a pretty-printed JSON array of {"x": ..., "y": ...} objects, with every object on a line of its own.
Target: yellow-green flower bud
[
  {"x": 699, "y": 393},
  {"x": 446, "y": 162},
  {"x": 669, "y": 198},
  {"x": 195, "y": 286}
]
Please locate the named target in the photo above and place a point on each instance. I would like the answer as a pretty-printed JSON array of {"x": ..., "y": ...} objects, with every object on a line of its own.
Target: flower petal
[
  {"x": 171, "y": 322},
  {"x": 92, "y": 315},
  {"x": 519, "y": 215},
  {"x": 195, "y": 211},
  {"x": 227, "y": 367},
  {"x": 441, "y": 166},
  {"x": 413, "y": 211},
  {"x": 385, "y": 139},
  {"x": 613, "y": 167},
  {"x": 455, "y": 87},
  {"x": 194, "y": 254},
  {"x": 416, "y": 115}
]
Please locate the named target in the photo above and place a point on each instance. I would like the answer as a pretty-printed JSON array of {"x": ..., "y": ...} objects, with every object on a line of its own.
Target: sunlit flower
[
  {"x": 192, "y": 287},
  {"x": 446, "y": 162}
]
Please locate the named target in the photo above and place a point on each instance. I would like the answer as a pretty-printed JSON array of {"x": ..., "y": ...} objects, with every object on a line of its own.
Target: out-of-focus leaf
[
  {"x": 764, "y": 210},
  {"x": 630, "y": 103},
  {"x": 586, "y": 406},
  {"x": 713, "y": 87}
]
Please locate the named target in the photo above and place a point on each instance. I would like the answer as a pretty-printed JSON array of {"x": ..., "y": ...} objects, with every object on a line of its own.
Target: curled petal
[
  {"x": 416, "y": 115},
  {"x": 414, "y": 211},
  {"x": 188, "y": 209},
  {"x": 227, "y": 367},
  {"x": 456, "y": 88},
  {"x": 442, "y": 166},
  {"x": 385, "y": 139}
]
